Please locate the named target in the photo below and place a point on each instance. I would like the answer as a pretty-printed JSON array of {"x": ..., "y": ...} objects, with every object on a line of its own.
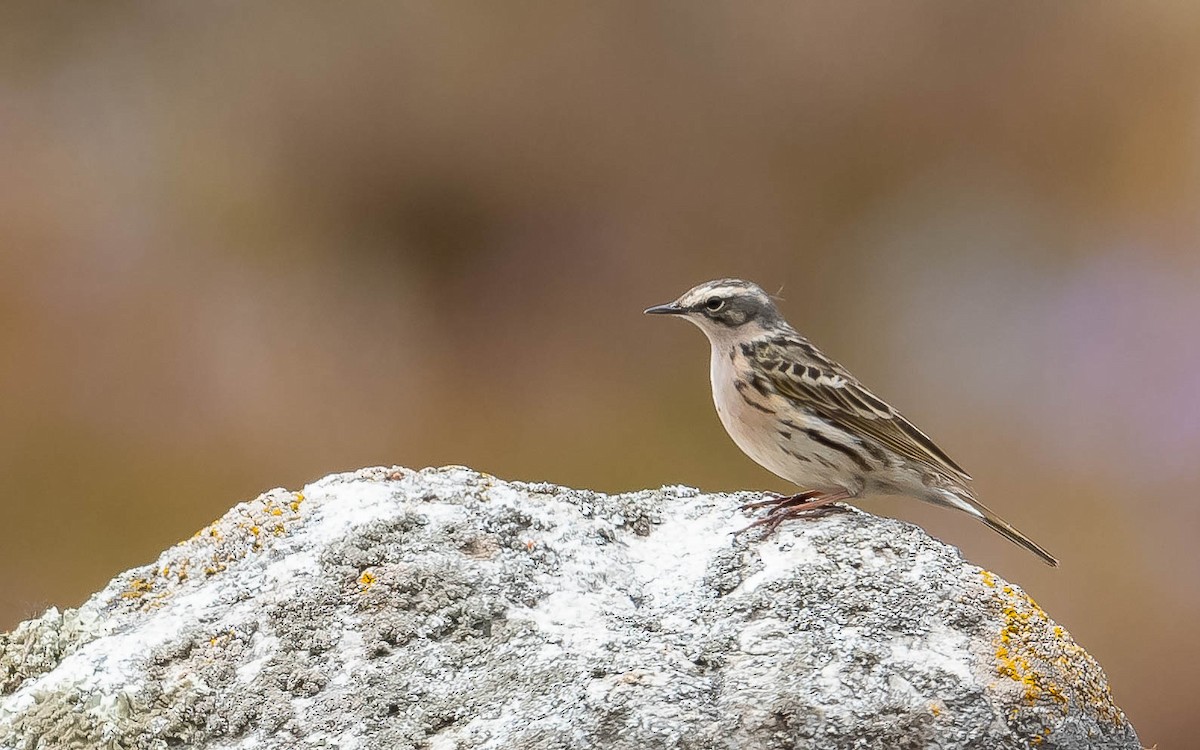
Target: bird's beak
[{"x": 671, "y": 308}]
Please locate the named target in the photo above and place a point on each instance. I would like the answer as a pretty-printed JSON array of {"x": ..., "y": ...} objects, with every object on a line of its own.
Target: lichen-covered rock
[{"x": 447, "y": 609}]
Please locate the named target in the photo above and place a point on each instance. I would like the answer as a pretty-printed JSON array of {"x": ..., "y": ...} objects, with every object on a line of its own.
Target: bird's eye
[{"x": 714, "y": 304}]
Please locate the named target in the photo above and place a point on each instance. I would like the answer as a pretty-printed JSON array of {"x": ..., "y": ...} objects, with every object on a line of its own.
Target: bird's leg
[
  {"x": 780, "y": 500},
  {"x": 795, "y": 506}
]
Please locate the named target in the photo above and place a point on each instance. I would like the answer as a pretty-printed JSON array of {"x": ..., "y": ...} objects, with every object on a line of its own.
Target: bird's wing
[{"x": 798, "y": 370}]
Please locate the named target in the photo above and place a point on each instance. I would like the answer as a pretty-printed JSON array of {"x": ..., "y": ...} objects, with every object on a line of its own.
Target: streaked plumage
[{"x": 807, "y": 419}]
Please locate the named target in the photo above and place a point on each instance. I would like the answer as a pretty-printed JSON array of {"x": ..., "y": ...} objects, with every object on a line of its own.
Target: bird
[{"x": 805, "y": 418}]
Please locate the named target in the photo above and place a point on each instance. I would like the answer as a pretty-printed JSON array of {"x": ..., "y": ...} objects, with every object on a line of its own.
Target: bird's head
[{"x": 724, "y": 309}]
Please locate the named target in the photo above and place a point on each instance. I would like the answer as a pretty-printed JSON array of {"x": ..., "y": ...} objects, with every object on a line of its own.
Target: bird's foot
[
  {"x": 781, "y": 508},
  {"x": 771, "y": 500}
]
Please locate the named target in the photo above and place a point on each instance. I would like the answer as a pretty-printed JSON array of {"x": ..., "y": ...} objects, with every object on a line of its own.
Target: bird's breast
[
  {"x": 747, "y": 411},
  {"x": 775, "y": 432}
]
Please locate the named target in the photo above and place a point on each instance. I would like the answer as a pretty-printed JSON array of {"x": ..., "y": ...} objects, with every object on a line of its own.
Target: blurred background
[{"x": 246, "y": 246}]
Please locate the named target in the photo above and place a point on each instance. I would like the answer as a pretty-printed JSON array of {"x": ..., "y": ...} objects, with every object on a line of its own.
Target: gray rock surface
[{"x": 445, "y": 609}]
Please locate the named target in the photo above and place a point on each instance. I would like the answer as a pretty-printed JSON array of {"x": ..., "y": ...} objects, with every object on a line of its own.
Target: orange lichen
[
  {"x": 213, "y": 548},
  {"x": 138, "y": 588},
  {"x": 1043, "y": 659},
  {"x": 367, "y": 579},
  {"x": 1014, "y": 659},
  {"x": 145, "y": 593},
  {"x": 221, "y": 639}
]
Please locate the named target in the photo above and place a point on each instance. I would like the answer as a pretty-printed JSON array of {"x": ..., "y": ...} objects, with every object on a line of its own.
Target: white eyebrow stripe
[{"x": 721, "y": 291}]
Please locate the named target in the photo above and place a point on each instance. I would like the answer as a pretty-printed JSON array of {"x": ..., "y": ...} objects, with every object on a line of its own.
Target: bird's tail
[{"x": 965, "y": 502}]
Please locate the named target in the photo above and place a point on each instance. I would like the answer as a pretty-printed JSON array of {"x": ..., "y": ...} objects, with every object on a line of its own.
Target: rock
[{"x": 446, "y": 609}]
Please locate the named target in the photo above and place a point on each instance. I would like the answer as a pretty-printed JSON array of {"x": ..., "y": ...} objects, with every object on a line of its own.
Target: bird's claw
[
  {"x": 779, "y": 501},
  {"x": 781, "y": 508}
]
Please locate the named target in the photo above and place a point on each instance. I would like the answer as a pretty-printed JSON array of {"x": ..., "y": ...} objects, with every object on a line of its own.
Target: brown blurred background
[{"x": 246, "y": 246}]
